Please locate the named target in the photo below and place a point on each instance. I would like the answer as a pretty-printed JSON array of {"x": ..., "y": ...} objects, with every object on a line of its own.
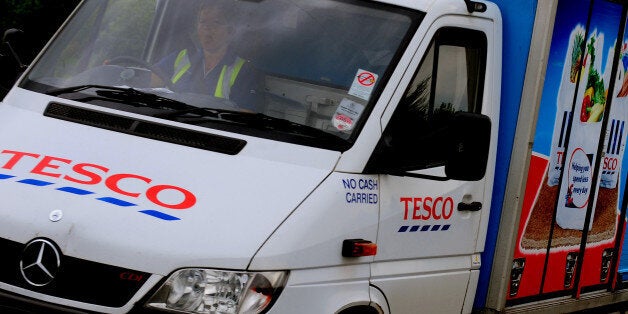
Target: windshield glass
[{"x": 298, "y": 64}]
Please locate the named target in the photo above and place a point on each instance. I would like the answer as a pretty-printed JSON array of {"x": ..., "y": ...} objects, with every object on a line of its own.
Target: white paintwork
[{"x": 274, "y": 206}]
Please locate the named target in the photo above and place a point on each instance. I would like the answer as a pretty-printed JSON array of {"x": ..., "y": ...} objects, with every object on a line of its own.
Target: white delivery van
[{"x": 359, "y": 173}]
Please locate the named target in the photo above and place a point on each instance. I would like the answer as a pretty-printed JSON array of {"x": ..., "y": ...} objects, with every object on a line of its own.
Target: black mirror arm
[
  {"x": 6, "y": 40},
  {"x": 379, "y": 165}
]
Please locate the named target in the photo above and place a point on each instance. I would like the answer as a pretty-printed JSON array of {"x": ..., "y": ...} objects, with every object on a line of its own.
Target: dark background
[{"x": 38, "y": 20}]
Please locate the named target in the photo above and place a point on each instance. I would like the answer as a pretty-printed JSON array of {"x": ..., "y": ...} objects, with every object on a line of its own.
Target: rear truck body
[{"x": 430, "y": 156}]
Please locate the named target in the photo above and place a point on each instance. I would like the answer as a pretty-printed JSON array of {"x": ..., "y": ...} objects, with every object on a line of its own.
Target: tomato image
[
  {"x": 584, "y": 112},
  {"x": 587, "y": 103}
]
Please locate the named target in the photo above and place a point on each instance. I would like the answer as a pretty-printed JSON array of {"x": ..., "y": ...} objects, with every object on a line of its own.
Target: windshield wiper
[
  {"x": 126, "y": 95},
  {"x": 77, "y": 88}
]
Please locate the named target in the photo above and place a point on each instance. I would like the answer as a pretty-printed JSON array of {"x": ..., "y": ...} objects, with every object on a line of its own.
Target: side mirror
[{"x": 470, "y": 139}]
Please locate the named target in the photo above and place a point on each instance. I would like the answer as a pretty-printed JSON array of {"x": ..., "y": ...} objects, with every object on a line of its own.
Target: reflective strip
[
  {"x": 222, "y": 89},
  {"x": 236, "y": 69},
  {"x": 219, "y": 85},
  {"x": 181, "y": 65}
]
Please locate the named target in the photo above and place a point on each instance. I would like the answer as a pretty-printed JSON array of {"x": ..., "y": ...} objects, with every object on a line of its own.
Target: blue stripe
[
  {"x": 35, "y": 182},
  {"x": 115, "y": 201},
  {"x": 416, "y": 228},
  {"x": 74, "y": 190},
  {"x": 562, "y": 129},
  {"x": 158, "y": 214},
  {"x": 621, "y": 136},
  {"x": 615, "y": 136},
  {"x": 610, "y": 144},
  {"x": 110, "y": 200}
]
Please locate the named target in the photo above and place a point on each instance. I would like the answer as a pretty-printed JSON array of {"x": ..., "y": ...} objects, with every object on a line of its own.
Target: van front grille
[{"x": 77, "y": 279}]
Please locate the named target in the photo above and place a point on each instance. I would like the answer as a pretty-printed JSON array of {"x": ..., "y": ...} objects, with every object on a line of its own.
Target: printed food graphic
[
  {"x": 576, "y": 56},
  {"x": 595, "y": 93},
  {"x": 573, "y": 189},
  {"x": 537, "y": 229}
]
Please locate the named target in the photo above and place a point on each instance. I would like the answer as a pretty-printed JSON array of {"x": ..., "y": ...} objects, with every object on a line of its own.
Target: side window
[{"x": 450, "y": 79}]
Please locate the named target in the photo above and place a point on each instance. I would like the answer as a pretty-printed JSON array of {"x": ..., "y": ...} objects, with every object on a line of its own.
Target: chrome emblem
[{"x": 40, "y": 262}]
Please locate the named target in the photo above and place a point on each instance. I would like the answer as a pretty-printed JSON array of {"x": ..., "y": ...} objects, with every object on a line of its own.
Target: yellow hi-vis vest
[{"x": 226, "y": 79}]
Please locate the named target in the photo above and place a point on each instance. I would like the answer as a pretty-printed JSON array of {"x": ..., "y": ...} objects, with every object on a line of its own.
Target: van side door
[{"x": 436, "y": 162}]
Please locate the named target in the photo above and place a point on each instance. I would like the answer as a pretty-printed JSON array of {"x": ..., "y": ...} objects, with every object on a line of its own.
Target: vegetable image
[
  {"x": 596, "y": 113},
  {"x": 595, "y": 93},
  {"x": 587, "y": 104},
  {"x": 576, "y": 57},
  {"x": 623, "y": 92}
]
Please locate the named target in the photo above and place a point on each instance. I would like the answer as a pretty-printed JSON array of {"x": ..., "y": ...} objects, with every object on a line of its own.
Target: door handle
[{"x": 471, "y": 207}]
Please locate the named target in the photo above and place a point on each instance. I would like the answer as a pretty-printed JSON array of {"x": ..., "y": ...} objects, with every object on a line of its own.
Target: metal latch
[
  {"x": 607, "y": 256},
  {"x": 515, "y": 275},
  {"x": 570, "y": 266}
]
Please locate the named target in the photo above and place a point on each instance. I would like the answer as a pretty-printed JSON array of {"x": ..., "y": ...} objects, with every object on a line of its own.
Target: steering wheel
[{"x": 128, "y": 61}]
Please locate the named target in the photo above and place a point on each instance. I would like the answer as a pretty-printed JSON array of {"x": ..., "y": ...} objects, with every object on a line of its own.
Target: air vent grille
[{"x": 152, "y": 130}]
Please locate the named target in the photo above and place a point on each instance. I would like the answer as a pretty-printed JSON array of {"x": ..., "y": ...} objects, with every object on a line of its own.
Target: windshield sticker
[
  {"x": 346, "y": 114},
  {"x": 363, "y": 84}
]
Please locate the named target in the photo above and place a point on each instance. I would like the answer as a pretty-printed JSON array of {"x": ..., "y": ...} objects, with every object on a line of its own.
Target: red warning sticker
[
  {"x": 346, "y": 114},
  {"x": 363, "y": 84}
]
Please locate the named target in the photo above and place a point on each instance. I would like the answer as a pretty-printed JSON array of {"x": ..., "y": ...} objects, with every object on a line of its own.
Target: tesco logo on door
[
  {"x": 92, "y": 174},
  {"x": 427, "y": 208}
]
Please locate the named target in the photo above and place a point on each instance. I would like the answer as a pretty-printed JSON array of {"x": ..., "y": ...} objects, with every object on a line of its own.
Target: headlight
[{"x": 211, "y": 291}]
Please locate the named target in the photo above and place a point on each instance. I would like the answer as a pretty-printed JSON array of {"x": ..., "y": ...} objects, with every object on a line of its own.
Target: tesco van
[{"x": 316, "y": 156}]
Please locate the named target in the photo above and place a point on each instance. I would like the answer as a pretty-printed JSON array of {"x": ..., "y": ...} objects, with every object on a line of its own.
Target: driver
[{"x": 212, "y": 66}]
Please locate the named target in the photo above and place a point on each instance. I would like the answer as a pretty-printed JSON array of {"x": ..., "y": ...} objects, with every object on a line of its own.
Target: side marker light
[{"x": 358, "y": 247}]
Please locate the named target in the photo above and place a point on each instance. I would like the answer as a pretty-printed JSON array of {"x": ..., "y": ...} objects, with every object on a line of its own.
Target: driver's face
[{"x": 213, "y": 29}]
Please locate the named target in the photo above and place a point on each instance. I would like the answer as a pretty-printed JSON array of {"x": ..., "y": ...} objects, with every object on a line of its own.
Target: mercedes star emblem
[{"x": 40, "y": 262}]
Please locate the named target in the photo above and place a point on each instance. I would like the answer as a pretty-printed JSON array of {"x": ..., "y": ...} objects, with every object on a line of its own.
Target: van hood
[{"x": 144, "y": 204}]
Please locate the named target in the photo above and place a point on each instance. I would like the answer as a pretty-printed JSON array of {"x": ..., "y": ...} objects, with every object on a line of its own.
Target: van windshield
[{"x": 301, "y": 71}]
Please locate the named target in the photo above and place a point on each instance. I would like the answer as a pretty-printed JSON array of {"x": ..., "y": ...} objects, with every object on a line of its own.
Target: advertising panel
[{"x": 574, "y": 179}]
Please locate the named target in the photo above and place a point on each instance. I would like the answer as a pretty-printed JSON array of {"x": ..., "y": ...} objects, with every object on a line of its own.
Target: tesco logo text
[
  {"x": 92, "y": 174},
  {"x": 424, "y": 208},
  {"x": 610, "y": 163}
]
